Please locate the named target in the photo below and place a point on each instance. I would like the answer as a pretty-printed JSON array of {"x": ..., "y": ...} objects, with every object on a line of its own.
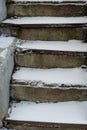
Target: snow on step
[
  {"x": 47, "y": 20},
  {"x": 74, "y": 76},
  {"x": 49, "y": 0},
  {"x": 72, "y": 45},
  {"x": 76, "y": 112}
]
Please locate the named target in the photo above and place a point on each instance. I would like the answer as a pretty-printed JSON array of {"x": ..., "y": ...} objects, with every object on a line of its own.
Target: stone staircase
[{"x": 49, "y": 82}]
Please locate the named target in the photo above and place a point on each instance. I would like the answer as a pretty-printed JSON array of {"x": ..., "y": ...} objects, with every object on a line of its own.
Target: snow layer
[
  {"x": 72, "y": 45},
  {"x": 3, "y": 10},
  {"x": 6, "y": 67},
  {"x": 4, "y": 128},
  {"x": 5, "y": 41},
  {"x": 5, "y": 44},
  {"x": 74, "y": 76},
  {"x": 47, "y": 0},
  {"x": 47, "y": 20},
  {"x": 62, "y": 112}
]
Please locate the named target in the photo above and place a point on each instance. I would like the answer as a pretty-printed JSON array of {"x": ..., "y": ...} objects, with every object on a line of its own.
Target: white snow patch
[
  {"x": 72, "y": 45},
  {"x": 5, "y": 128},
  {"x": 47, "y": 20},
  {"x": 6, "y": 44},
  {"x": 47, "y": 0},
  {"x": 6, "y": 41},
  {"x": 6, "y": 67},
  {"x": 3, "y": 11},
  {"x": 74, "y": 76},
  {"x": 62, "y": 112},
  {"x": 4, "y": 53}
]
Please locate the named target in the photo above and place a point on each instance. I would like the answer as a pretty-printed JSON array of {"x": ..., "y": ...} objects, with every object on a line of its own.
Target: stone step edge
[
  {"x": 49, "y": 1},
  {"x": 52, "y": 52},
  {"x": 16, "y": 83},
  {"x": 28, "y": 26},
  {"x": 42, "y": 124}
]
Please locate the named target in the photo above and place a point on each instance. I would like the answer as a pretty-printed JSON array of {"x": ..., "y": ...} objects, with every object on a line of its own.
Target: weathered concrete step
[
  {"x": 55, "y": 84},
  {"x": 48, "y": 116},
  {"x": 49, "y": 8},
  {"x": 47, "y": 28},
  {"x": 51, "y": 54}
]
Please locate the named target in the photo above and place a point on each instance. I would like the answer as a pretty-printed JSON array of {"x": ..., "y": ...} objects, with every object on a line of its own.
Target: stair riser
[
  {"x": 24, "y": 127},
  {"x": 51, "y": 95},
  {"x": 43, "y": 9},
  {"x": 51, "y": 33},
  {"x": 49, "y": 60}
]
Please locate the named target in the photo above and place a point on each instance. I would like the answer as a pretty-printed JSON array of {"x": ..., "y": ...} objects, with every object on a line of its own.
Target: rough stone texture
[
  {"x": 64, "y": 33},
  {"x": 50, "y": 60},
  {"x": 3, "y": 11},
  {"x": 49, "y": 32},
  {"x": 26, "y": 92},
  {"x": 6, "y": 67},
  {"x": 43, "y": 9}
]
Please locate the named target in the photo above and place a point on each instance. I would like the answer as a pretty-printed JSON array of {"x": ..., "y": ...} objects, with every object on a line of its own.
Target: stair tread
[
  {"x": 71, "y": 45},
  {"x": 75, "y": 112},
  {"x": 46, "y": 20},
  {"x": 49, "y": 1},
  {"x": 58, "y": 76}
]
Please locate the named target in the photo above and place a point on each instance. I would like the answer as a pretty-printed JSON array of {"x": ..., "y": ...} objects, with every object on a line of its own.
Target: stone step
[
  {"x": 49, "y": 84},
  {"x": 59, "y": 1},
  {"x": 46, "y": 8},
  {"x": 51, "y": 54},
  {"x": 47, "y": 116},
  {"x": 47, "y": 28}
]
